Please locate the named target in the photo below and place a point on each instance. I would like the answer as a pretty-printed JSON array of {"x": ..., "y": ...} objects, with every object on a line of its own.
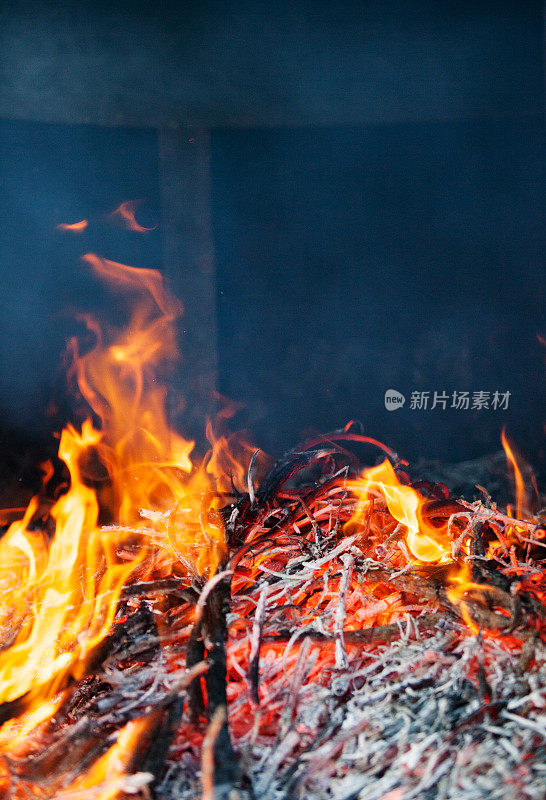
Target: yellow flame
[
  {"x": 148, "y": 463},
  {"x": 60, "y": 595},
  {"x": 68, "y": 593},
  {"x": 109, "y": 773},
  {"x": 15, "y": 731},
  {"x": 403, "y": 503}
]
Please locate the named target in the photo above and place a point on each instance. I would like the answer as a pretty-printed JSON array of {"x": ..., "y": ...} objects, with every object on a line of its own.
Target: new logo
[{"x": 394, "y": 400}]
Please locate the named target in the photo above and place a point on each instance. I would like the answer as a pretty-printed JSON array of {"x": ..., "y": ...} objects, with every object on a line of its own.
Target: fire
[
  {"x": 521, "y": 493},
  {"x": 147, "y": 462},
  {"x": 460, "y": 583},
  {"x": 426, "y": 543},
  {"x": 111, "y": 775},
  {"x": 125, "y": 214},
  {"x": 60, "y": 596},
  {"x": 73, "y": 227},
  {"x": 159, "y": 512},
  {"x": 67, "y": 591},
  {"x": 431, "y": 544},
  {"x": 14, "y": 732}
]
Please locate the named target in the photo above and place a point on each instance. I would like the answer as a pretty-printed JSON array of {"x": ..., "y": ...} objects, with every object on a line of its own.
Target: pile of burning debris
[{"x": 181, "y": 630}]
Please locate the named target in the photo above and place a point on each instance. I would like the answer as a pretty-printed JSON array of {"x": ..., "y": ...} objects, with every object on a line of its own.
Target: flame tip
[{"x": 74, "y": 227}]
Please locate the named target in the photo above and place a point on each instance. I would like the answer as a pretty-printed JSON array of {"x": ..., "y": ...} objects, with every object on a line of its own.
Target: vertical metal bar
[{"x": 184, "y": 159}]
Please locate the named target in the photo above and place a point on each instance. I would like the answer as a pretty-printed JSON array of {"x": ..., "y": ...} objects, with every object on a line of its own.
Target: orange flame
[
  {"x": 425, "y": 542},
  {"x": 67, "y": 594},
  {"x": 74, "y": 227},
  {"x": 148, "y": 463},
  {"x": 228, "y": 460},
  {"x": 125, "y": 215},
  {"x": 14, "y": 732},
  {"x": 428, "y": 543},
  {"x": 59, "y": 596},
  {"x": 108, "y": 776},
  {"x": 522, "y": 500}
]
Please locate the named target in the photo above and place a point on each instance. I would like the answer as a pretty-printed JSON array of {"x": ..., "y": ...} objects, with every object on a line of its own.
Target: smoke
[
  {"x": 394, "y": 242},
  {"x": 268, "y": 63}
]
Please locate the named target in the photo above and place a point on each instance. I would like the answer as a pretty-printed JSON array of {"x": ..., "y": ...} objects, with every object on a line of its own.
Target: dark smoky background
[
  {"x": 352, "y": 261},
  {"x": 373, "y": 194}
]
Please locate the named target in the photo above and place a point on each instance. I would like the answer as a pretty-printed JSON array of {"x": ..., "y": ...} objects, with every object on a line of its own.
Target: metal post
[{"x": 189, "y": 267}]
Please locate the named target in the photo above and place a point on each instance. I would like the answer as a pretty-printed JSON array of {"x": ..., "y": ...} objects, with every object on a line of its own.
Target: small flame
[
  {"x": 461, "y": 582},
  {"x": 228, "y": 460},
  {"x": 14, "y": 732},
  {"x": 113, "y": 773},
  {"x": 74, "y": 227},
  {"x": 522, "y": 500},
  {"x": 125, "y": 215},
  {"x": 404, "y": 503}
]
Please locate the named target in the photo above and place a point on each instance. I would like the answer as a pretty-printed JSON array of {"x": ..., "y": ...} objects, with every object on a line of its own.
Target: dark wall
[
  {"x": 268, "y": 62},
  {"x": 349, "y": 261},
  {"x": 352, "y": 261}
]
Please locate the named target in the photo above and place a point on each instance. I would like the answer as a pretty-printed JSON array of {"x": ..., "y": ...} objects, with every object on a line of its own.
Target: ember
[{"x": 214, "y": 629}]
